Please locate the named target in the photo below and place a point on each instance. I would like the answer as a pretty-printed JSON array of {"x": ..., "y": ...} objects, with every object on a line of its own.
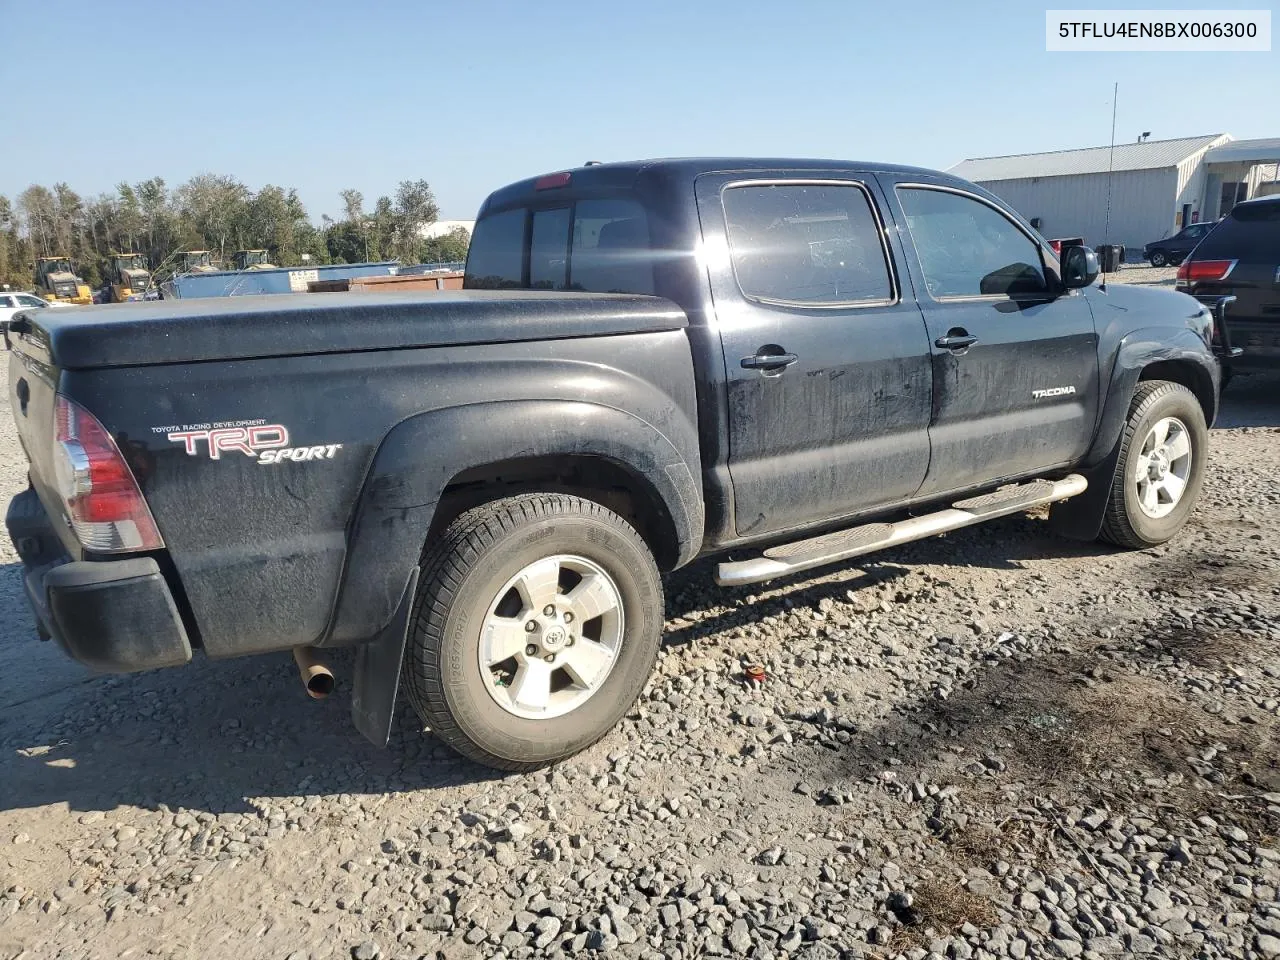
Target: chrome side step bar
[{"x": 832, "y": 547}]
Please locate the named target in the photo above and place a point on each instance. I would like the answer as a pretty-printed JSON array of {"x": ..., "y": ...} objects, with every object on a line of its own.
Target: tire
[
  {"x": 1128, "y": 521},
  {"x": 476, "y": 586},
  {"x": 1158, "y": 259}
]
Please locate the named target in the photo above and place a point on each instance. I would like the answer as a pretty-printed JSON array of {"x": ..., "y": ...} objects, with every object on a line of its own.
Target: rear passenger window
[
  {"x": 549, "y": 250},
  {"x": 495, "y": 259},
  {"x": 969, "y": 249},
  {"x": 798, "y": 243}
]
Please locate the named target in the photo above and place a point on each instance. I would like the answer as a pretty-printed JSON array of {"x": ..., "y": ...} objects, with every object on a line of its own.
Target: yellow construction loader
[
  {"x": 57, "y": 282},
  {"x": 129, "y": 277},
  {"x": 252, "y": 260},
  {"x": 195, "y": 261}
]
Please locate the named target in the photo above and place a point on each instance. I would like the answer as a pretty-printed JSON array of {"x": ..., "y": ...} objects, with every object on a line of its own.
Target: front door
[
  {"x": 1015, "y": 355},
  {"x": 827, "y": 363}
]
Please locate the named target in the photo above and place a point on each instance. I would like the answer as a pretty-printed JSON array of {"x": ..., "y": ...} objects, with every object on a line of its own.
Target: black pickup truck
[{"x": 797, "y": 361}]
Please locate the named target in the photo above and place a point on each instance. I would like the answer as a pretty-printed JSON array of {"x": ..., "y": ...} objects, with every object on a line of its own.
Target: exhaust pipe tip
[
  {"x": 320, "y": 685},
  {"x": 316, "y": 676}
]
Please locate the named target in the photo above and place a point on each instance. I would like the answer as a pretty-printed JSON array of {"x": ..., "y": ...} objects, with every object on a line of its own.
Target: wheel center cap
[{"x": 553, "y": 638}]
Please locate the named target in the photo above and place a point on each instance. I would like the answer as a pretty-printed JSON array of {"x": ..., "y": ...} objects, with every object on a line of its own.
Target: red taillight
[
  {"x": 104, "y": 504},
  {"x": 1194, "y": 271},
  {"x": 1056, "y": 246},
  {"x": 551, "y": 181}
]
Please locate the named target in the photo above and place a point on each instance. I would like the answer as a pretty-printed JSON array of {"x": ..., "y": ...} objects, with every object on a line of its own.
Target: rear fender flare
[{"x": 419, "y": 456}]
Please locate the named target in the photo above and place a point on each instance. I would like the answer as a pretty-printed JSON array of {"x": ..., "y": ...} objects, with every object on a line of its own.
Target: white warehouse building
[{"x": 1156, "y": 186}]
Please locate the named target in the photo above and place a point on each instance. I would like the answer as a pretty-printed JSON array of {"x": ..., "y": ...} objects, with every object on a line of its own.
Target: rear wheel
[
  {"x": 1161, "y": 469},
  {"x": 1158, "y": 259},
  {"x": 537, "y": 625}
]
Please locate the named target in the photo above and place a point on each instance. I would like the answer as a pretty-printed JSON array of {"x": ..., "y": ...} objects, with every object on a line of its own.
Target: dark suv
[
  {"x": 1175, "y": 249},
  {"x": 1241, "y": 259}
]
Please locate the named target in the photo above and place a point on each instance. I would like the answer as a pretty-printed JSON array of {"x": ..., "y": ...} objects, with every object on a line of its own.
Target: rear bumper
[
  {"x": 1226, "y": 330},
  {"x": 1260, "y": 343},
  {"x": 116, "y": 615}
]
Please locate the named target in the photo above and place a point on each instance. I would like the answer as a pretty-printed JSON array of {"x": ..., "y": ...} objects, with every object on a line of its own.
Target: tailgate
[
  {"x": 1256, "y": 287},
  {"x": 32, "y": 391}
]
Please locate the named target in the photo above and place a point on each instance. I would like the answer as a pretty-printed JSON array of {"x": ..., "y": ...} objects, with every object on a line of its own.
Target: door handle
[
  {"x": 769, "y": 361},
  {"x": 956, "y": 340}
]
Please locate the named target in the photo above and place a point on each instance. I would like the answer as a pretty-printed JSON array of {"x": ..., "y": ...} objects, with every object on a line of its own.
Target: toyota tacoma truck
[{"x": 783, "y": 363}]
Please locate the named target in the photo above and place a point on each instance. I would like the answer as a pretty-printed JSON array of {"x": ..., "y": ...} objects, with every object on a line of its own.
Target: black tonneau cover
[{"x": 232, "y": 328}]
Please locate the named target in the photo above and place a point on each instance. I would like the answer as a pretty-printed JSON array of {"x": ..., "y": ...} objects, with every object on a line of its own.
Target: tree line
[{"x": 216, "y": 213}]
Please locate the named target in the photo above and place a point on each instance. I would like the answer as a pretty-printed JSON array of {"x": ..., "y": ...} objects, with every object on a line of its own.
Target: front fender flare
[
  {"x": 1081, "y": 517},
  {"x": 1137, "y": 351},
  {"x": 420, "y": 455}
]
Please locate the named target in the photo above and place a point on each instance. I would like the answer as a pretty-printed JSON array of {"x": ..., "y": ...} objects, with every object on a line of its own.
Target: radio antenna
[{"x": 1111, "y": 164}]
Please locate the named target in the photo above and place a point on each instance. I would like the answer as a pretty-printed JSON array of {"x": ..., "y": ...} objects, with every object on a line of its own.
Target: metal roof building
[{"x": 1156, "y": 186}]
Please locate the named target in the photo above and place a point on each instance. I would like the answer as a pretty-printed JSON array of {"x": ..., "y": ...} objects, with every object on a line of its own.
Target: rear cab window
[
  {"x": 495, "y": 260},
  {"x": 590, "y": 245}
]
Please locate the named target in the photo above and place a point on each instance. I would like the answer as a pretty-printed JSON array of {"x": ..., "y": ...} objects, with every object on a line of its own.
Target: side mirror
[{"x": 1079, "y": 267}]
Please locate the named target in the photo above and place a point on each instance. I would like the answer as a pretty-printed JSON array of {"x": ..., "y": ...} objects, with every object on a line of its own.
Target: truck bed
[
  {"x": 177, "y": 331},
  {"x": 259, "y": 536}
]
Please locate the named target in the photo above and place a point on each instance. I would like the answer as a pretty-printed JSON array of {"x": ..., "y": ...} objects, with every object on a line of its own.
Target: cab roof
[{"x": 624, "y": 174}]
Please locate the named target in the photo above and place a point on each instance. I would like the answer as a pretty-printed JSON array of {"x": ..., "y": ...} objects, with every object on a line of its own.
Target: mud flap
[
  {"x": 377, "y": 674},
  {"x": 1080, "y": 518}
]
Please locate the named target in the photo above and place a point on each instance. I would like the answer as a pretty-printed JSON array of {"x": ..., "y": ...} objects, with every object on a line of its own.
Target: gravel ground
[
  {"x": 994, "y": 744},
  {"x": 1145, "y": 274}
]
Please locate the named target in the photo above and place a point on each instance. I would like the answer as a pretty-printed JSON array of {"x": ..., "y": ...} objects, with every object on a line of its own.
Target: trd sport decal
[
  {"x": 265, "y": 442},
  {"x": 321, "y": 451}
]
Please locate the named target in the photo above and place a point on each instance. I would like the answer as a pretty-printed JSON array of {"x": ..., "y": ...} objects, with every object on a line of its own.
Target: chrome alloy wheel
[
  {"x": 551, "y": 637},
  {"x": 1162, "y": 467}
]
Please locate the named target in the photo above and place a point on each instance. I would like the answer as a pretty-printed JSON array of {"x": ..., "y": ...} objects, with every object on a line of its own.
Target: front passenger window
[{"x": 969, "y": 249}]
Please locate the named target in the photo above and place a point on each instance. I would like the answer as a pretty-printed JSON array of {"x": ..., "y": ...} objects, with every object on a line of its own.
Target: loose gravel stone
[{"x": 993, "y": 745}]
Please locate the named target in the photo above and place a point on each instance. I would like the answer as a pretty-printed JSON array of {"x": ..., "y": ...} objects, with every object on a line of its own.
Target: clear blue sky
[{"x": 472, "y": 94}]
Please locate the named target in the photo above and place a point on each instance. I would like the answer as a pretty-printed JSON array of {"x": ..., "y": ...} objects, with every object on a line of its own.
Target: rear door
[
  {"x": 1015, "y": 355},
  {"x": 827, "y": 363}
]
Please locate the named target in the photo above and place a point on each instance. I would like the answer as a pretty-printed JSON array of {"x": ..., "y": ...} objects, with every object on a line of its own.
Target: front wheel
[
  {"x": 1161, "y": 469},
  {"x": 536, "y": 627},
  {"x": 1158, "y": 259}
]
